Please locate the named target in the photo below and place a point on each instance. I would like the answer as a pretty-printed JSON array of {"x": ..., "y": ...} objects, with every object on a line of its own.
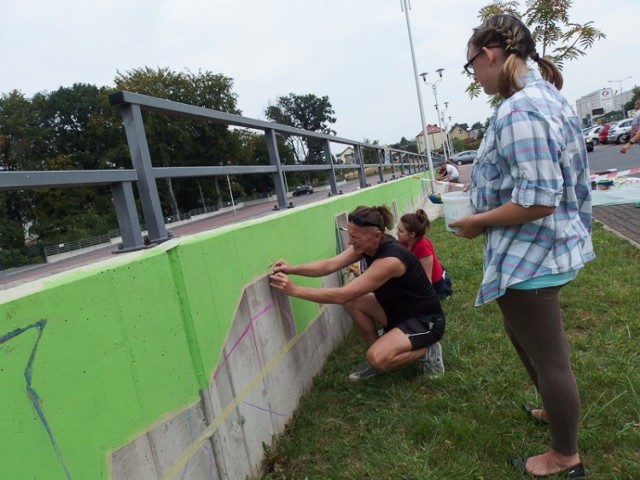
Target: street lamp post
[
  {"x": 445, "y": 147},
  {"x": 233, "y": 203},
  {"x": 405, "y": 8},
  {"x": 447, "y": 127},
  {"x": 619, "y": 82}
]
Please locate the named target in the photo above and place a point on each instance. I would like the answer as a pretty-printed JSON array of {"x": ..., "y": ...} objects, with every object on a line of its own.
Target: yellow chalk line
[{"x": 182, "y": 460}]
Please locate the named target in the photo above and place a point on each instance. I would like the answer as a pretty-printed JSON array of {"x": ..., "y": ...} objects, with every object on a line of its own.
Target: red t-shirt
[{"x": 424, "y": 248}]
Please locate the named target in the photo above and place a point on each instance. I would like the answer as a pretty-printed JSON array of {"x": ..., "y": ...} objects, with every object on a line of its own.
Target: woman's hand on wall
[
  {"x": 282, "y": 282},
  {"x": 281, "y": 266}
]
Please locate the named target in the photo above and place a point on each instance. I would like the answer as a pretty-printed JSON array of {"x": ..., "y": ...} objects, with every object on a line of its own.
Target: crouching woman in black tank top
[{"x": 393, "y": 291}]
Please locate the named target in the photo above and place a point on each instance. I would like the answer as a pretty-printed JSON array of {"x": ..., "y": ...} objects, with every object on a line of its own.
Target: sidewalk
[{"x": 623, "y": 220}]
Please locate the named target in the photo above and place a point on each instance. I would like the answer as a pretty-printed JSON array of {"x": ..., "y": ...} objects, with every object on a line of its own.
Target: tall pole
[
  {"x": 405, "y": 7},
  {"x": 619, "y": 82},
  {"x": 447, "y": 127},
  {"x": 434, "y": 87},
  {"x": 231, "y": 195},
  {"x": 435, "y": 95}
]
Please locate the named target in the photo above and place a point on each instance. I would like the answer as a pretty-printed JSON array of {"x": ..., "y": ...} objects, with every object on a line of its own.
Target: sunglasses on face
[
  {"x": 360, "y": 222},
  {"x": 468, "y": 67}
]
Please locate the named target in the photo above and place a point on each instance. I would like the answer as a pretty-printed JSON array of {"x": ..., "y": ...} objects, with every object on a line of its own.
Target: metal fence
[
  {"x": 145, "y": 175},
  {"x": 50, "y": 250}
]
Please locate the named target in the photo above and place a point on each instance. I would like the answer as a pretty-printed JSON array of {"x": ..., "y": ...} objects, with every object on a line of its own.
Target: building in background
[
  {"x": 597, "y": 104},
  {"x": 346, "y": 156},
  {"x": 436, "y": 139},
  {"x": 459, "y": 131}
]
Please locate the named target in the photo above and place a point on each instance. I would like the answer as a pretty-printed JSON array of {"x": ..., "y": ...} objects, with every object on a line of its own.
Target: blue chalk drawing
[{"x": 31, "y": 393}]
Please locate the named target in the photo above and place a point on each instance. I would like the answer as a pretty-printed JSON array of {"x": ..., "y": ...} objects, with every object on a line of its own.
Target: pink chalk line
[{"x": 244, "y": 332}]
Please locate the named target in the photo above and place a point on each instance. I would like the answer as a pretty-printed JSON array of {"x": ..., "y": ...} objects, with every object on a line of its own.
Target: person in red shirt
[{"x": 411, "y": 231}]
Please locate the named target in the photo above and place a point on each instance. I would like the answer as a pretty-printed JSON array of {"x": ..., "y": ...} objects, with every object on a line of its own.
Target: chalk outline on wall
[
  {"x": 178, "y": 465},
  {"x": 31, "y": 393}
]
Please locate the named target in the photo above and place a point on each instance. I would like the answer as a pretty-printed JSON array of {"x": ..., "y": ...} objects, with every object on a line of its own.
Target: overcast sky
[{"x": 354, "y": 51}]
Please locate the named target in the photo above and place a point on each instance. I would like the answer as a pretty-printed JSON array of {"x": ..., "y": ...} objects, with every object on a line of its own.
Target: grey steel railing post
[
  {"x": 274, "y": 158},
  {"x": 362, "y": 176},
  {"x": 401, "y": 165},
  {"x": 326, "y": 146},
  {"x": 147, "y": 188},
  {"x": 127, "y": 217},
  {"x": 381, "y": 165},
  {"x": 391, "y": 163}
]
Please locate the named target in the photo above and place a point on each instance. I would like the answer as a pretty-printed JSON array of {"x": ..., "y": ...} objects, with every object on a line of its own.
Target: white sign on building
[{"x": 606, "y": 99}]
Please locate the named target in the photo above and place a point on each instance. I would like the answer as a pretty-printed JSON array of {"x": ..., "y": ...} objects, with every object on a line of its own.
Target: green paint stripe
[{"x": 187, "y": 318}]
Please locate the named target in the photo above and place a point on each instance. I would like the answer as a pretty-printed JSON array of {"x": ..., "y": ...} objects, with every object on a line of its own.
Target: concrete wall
[{"x": 173, "y": 362}]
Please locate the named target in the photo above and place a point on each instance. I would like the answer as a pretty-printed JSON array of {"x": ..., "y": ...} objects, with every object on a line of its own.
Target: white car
[
  {"x": 620, "y": 132},
  {"x": 593, "y": 134}
]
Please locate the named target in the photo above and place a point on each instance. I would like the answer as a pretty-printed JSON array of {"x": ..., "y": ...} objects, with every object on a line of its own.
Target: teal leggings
[{"x": 533, "y": 322}]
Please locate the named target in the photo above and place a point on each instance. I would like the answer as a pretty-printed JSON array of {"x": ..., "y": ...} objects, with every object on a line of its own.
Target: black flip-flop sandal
[
  {"x": 529, "y": 409},
  {"x": 576, "y": 472}
]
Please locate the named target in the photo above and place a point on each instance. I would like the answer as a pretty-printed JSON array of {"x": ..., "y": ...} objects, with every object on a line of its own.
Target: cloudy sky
[{"x": 354, "y": 51}]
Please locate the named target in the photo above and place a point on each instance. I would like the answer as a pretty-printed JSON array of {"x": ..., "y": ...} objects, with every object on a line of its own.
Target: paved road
[{"x": 608, "y": 156}]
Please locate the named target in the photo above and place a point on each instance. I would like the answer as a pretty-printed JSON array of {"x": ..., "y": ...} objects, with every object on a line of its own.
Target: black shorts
[{"x": 423, "y": 330}]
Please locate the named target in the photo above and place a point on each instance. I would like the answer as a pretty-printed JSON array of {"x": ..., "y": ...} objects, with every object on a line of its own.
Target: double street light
[
  {"x": 619, "y": 82},
  {"x": 445, "y": 144}
]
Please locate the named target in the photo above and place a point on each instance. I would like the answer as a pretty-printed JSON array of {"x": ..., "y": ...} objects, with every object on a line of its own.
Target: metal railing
[{"x": 145, "y": 175}]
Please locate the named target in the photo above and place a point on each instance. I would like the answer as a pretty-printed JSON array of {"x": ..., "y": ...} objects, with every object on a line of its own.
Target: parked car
[
  {"x": 594, "y": 134},
  {"x": 605, "y": 131},
  {"x": 303, "y": 190},
  {"x": 589, "y": 143},
  {"x": 460, "y": 158},
  {"x": 620, "y": 132}
]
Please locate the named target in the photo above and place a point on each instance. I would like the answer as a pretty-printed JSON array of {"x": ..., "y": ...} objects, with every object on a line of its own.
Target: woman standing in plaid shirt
[{"x": 531, "y": 193}]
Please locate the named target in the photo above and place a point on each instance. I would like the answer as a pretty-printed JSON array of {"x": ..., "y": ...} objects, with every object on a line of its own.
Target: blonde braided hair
[{"x": 514, "y": 37}]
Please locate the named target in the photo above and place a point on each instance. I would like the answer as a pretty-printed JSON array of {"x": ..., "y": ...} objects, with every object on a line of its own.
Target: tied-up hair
[
  {"x": 509, "y": 33},
  {"x": 417, "y": 223},
  {"x": 379, "y": 216}
]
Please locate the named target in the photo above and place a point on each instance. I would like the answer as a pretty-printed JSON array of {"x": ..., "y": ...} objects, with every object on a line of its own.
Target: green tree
[
  {"x": 631, "y": 104},
  {"x": 556, "y": 37},
  {"x": 308, "y": 112},
  {"x": 83, "y": 133},
  {"x": 23, "y": 146},
  {"x": 177, "y": 141}
]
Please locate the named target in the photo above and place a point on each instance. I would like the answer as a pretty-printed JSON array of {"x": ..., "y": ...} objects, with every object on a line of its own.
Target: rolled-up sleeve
[{"x": 533, "y": 158}]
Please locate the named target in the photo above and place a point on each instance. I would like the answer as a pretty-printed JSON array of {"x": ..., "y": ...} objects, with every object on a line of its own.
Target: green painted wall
[{"x": 95, "y": 356}]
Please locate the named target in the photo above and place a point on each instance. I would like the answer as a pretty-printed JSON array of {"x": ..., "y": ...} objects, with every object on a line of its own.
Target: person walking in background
[
  {"x": 393, "y": 291},
  {"x": 411, "y": 232},
  {"x": 635, "y": 129},
  {"x": 531, "y": 193}
]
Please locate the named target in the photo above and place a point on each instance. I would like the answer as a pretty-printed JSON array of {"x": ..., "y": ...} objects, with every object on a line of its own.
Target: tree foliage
[
  {"x": 76, "y": 127},
  {"x": 307, "y": 112},
  {"x": 177, "y": 141},
  {"x": 556, "y": 36}
]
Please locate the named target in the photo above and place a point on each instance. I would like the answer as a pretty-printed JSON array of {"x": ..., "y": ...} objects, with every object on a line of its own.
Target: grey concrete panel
[
  {"x": 170, "y": 439},
  {"x": 134, "y": 460},
  {"x": 227, "y": 439}
]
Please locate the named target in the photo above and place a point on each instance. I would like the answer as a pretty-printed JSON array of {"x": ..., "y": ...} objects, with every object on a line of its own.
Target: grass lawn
[{"x": 466, "y": 424}]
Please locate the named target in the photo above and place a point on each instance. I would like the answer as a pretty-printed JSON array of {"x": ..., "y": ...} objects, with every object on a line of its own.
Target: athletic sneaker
[
  {"x": 432, "y": 363},
  {"x": 364, "y": 371}
]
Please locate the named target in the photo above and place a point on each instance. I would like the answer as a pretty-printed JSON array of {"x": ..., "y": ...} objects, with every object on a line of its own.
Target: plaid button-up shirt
[{"x": 533, "y": 153}]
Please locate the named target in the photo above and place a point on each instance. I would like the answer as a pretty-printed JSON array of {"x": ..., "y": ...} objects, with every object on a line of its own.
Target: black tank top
[{"x": 408, "y": 295}]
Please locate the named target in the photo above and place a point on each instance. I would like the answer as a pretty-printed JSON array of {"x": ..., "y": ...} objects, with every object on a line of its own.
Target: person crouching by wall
[{"x": 394, "y": 291}]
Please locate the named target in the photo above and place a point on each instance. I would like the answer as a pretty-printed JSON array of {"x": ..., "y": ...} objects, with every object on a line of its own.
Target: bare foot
[{"x": 550, "y": 462}]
